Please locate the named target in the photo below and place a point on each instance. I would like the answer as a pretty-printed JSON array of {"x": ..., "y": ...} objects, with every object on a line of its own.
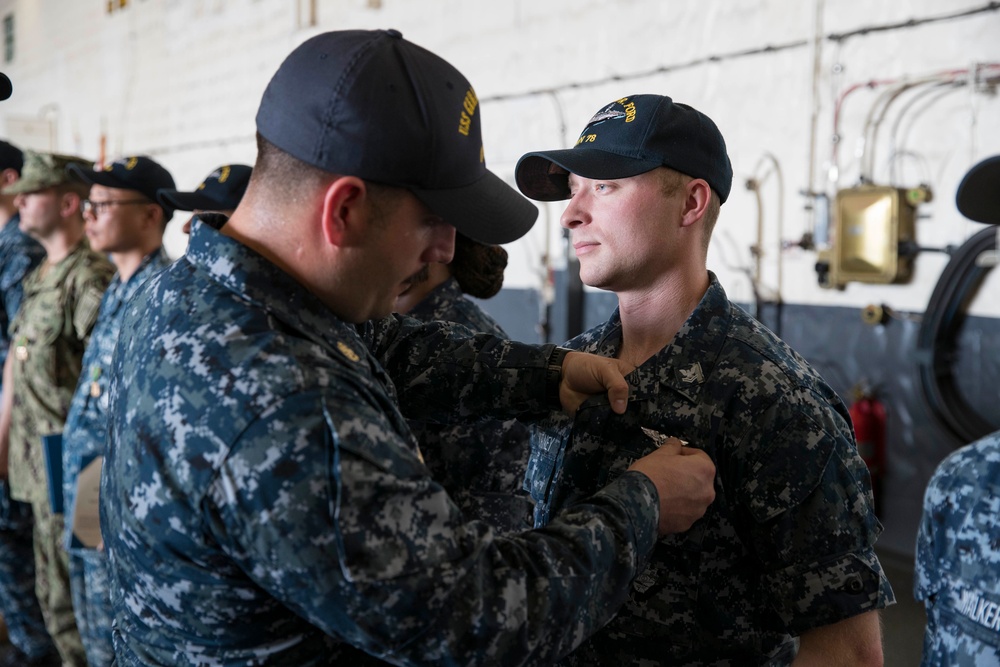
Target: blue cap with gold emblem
[
  {"x": 629, "y": 137},
  {"x": 11, "y": 157},
  {"x": 138, "y": 172},
  {"x": 373, "y": 105},
  {"x": 221, "y": 190}
]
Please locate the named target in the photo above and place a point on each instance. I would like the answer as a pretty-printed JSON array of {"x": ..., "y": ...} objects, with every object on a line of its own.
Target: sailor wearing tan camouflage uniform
[
  {"x": 784, "y": 560},
  {"x": 61, "y": 300},
  {"x": 19, "y": 255}
]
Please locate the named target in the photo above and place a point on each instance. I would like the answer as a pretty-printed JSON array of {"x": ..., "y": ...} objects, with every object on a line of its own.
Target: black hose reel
[{"x": 936, "y": 340}]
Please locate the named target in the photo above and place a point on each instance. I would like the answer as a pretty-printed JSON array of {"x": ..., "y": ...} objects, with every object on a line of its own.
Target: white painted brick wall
[{"x": 181, "y": 80}]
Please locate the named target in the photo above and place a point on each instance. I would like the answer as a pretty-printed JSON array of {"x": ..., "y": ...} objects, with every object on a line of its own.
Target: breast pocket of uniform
[{"x": 35, "y": 343}]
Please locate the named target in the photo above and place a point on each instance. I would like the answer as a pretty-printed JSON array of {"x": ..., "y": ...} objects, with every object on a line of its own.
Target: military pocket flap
[
  {"x": 789, "y": 470},
  {"x": 85, "y": 314}
]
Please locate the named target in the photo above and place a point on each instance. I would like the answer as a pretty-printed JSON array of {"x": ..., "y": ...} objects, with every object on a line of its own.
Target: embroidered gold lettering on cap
[
  {"x": 470, "y": 102},
  {"x": 469, "y": 105},
  {"x": 347, "y": 351},
  {"x": 630, "y": 112}
]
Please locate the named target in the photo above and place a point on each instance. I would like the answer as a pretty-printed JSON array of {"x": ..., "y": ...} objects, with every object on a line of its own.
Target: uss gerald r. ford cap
[
  {"x": 628, "y": 137},
  {"x": 134, "y": 172}
]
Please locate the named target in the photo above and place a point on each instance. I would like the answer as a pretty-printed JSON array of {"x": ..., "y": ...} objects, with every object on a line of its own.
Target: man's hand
[
  {"x": 586, "y": 374},
  {"x": 685, "y": 480}
]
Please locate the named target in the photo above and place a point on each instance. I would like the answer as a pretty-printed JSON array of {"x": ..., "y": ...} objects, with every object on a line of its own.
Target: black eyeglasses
[{"x": 98, "y": 207}]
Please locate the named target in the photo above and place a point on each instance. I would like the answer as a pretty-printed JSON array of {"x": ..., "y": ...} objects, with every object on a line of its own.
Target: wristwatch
[{"x": 553, "y": 375}]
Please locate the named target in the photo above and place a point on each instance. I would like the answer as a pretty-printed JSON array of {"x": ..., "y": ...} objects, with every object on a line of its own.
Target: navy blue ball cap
[
  {"x": 11, "y": 157},
  {"x": 373, "y": 105},
  {"x": 629, "y": 137},
  {"x": 135, "y": 172},
  {"x": 978, "y": 195},
  {"x": 221, "y": 190}
]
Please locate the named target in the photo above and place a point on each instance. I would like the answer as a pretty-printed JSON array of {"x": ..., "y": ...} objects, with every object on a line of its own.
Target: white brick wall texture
[{"x": 181, "y": 79}]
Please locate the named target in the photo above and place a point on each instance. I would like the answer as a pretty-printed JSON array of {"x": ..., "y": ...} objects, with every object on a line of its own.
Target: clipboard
[
  {"x": 86, "y": 533},
  {"x": 52, "y": 449}
]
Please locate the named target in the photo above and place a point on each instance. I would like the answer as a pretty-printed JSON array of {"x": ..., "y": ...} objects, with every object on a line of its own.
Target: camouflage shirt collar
[
  {"x": 253, "y": 278},
  {"x": 56, "y": 274},
  {"x": 120, "y": 292},
  {"x": 438, "y": 302},
  {"x": 687, "y": 361}
]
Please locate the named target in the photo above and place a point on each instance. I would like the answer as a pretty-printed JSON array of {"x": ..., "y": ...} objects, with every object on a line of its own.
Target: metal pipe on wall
[{"x": 816, "y": 49}]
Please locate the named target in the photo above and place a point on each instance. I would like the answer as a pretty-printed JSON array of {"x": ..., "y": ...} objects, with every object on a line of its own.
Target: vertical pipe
[{"x": 817, "y": 61}]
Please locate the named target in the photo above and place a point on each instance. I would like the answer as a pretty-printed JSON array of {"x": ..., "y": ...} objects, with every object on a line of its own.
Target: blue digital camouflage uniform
[
  {"x": 481, "y": 465},
  {"x": 788, "y": 543},
  {"x": 23, "y": 616},
  {"x": 263, "y": 499},
  {"x": 84, "y": 437},
  {"x": 19, "y": 254},
  {"x": 49, "y": 335},
  {"x": 958, "y": 558}
]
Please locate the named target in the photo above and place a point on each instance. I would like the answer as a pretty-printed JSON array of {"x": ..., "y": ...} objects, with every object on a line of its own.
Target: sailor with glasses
[{"x": 123, "y": 220}]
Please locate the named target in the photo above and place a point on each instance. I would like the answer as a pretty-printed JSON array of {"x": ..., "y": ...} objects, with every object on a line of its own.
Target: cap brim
[
  {"x": 978, "y": 195},
  {"x": 22, "y": 186},
  {"x": 537, "y": 179},
  {"x": 109, "y": 180},
  {"x": 189, "y": 201},
  {"x": 95, "y": 177},
  {"x": 488, "y": 211}
]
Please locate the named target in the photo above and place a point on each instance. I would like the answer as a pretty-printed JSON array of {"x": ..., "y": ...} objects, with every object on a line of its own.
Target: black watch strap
[{"x": 553, "y": 375}]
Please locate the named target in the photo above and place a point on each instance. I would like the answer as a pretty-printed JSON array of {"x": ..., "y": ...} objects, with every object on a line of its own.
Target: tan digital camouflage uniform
[{"x": 47, "y": 340}]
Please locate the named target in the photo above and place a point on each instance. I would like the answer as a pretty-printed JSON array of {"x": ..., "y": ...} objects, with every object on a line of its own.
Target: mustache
[{"x": 421, "y": 276}]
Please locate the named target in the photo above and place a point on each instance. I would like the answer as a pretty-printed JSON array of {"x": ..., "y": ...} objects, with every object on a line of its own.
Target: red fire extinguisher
[{"x": 868, "y": 415}]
